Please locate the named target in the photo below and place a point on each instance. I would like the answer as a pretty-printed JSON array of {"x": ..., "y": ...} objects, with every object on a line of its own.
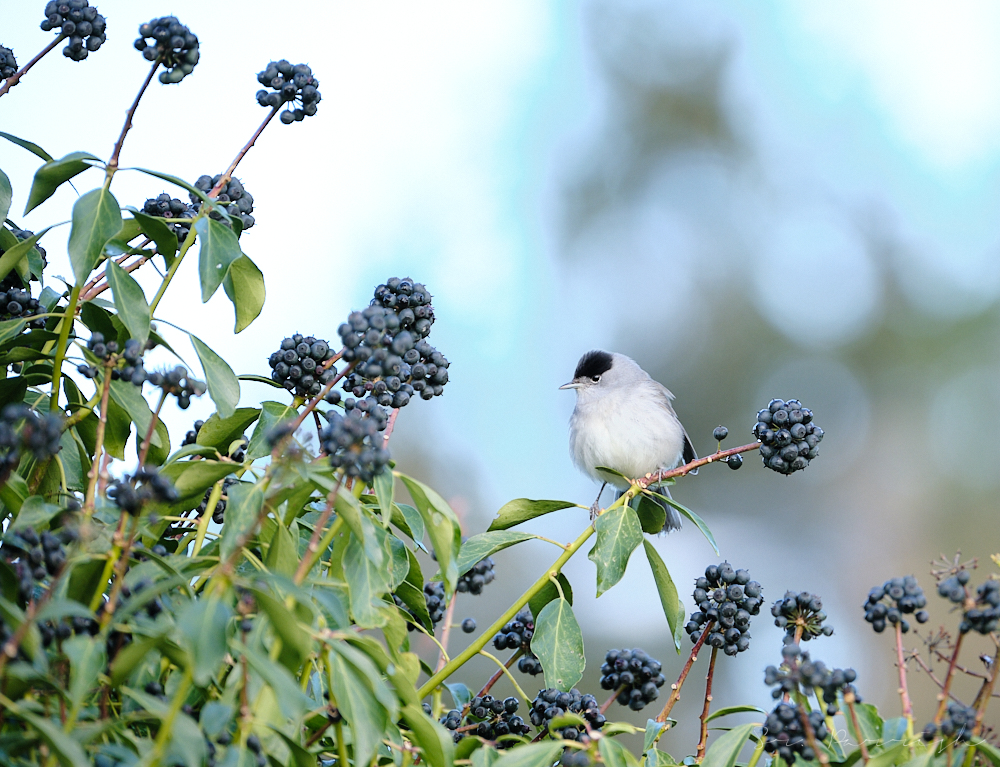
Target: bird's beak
[{"x": 571, "y": 385}]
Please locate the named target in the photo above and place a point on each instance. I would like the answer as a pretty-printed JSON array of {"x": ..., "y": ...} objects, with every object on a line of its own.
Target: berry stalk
[
  {"x": 904, "y": 693},
  {"x": 148, "y": 439},
  {"x": 675, "y": 694},
  {"x": 821, "y": 756},
  {"x": 112, "y": 165},
  {"x": 13, "y": 80},
  {"x": 68, "y": 320},
  {"x": 313, "y": 549},
  {"x": 687, "y": 468},
  {"x": 849, "y": 700},
  {"x": 232, "y": 166},
  {"x": 947, "y": 681},
  {"x": 703, "y": 740},
  {"x": 185, "y": 247},
  {"x": 499, "y": 673}
]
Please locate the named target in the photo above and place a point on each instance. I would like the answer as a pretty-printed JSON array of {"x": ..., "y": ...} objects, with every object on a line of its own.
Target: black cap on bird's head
[{"x": 590, "y": 368}]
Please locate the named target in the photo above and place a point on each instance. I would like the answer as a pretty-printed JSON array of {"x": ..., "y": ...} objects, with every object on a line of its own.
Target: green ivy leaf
[
  {"x": 548, "y": 592},
  {"x": 159, "y": 232},
  {"x": 435, "y": 741},
  {"x": 735, "y": 710},
  {"x": 202, "y": 629},
  {"x": 10, "y": 328},
  {"x": 653, "y": 729},
  {"x": 365, "y": 714},
  {"x": 87, "y": 660},
  {"x": 54, "y": 174},
  {"x": 244, "y": 284},
  {"x": 724, "y": 751},
  {"x": 558, "y": 644},
  {"x": 291, "y": 700},
  {"x": 367, "y": 582},
  {"x": 119, "y": 244},
  {"x": 219, "y": 248},
  {"x": 242, "y": 510},
  {"x": 698, "y": 521},
  {"x": 283, "y": 551},
  {"x": 300, "y": 757},
  {"x": 383, "y": 485},
  {"x": 193, "y": 478},
  {"x": 271, "y": 414},
  {"x": 220, "y": 433},
  {"x": 130, "y": 302},
  {"x": 618, "y": 534},
  {"x": 34, "y": 511},
  {"x": 480, "y": 546},
  {"x": 295, "y": 642},
  {"x": 33, "y": 148},
  {"x": 991, "y": 752},
  {"x": 130, "y": 656},
  {"x": 119, "y": 428},
  {"x": 889, "y": 757},
  {"x": 651, "y": 514},
  {"x": 673, "y": 608},
  {"x": 223, "y": 387},
  {"x": 17, "y": 251},
  {"x": 96, "y": 219},
  {"x": 67, "y": 751},
  {"x": 522, "y": 509},
  {"x": 614, "y": 754},
  {"x": 870, "y": 721},
  {"x": 6, "y": 195},
  {"x": 540, "y": 754},
  {"x": 442, "y": 526}
]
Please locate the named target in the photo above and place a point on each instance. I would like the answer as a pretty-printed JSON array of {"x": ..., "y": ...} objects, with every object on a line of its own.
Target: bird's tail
[{"x": 673, "y": 517}]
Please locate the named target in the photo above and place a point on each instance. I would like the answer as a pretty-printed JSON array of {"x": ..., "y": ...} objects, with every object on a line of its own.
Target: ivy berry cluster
[
  {"x": 291, "y": 85},
  {"x": 353, "y": 443},
  {"x": 799, "y": 672},
  {"x": 8, "y": 64},
  {"x": 238, "y": 201},
  {"x": 167, "y": 207},
  {"x": 516, "y": 635},
  {"x": 892, "y": 600},
  {"x": 493, "y": 719},
  {"x": 173, "y": 45},
  {"x": 78, "y": 21},
  {"x": 298, "y": 365},
  {"x": 22, "y": 430},
  {"x": 180, "y": 384},
  {"x": 984, "y": 617},
  {"x": 788, "y": 437},
  {"x": 956, "y": 725},
  {"x": 634, "y": 675},
  {"x": 35, "y": 556},
  {"x": 132, "y": 492},
  {"x": 727, "y": 598},
  {"x": 479, "y": 576},
  {"x": 801, "y": 614},
  {"x": 551, "y": 703},
  {"x": 786, "y": 735}
]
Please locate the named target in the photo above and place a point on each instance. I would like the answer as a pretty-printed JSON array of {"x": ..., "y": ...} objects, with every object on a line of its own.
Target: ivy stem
[
  {"x": 680, "y": 471},
  {"x": 102, "y": 425},
  {"x": 499, "y": 673},
  {"x": 611, "y": 699},
  {"x": 185, "y": 246},
  {"x": 13, "y": 80},
  {"x": 947, "y": 681},
  {"x": 758, "y": 750},
  {"x": 675, "y": 688},
  {"x": 703, "y": 740},
  {"x": 449, "y": 615},
  {"x": 904, "y": 693},
  {"x": 473, "y": 649},
  {"x": 313, "y": 549},
  {"x": 64, "y": 327},
  {"x": 148, "y": 439},
  {"x": 984, "y": 696},
  {"x": 167, "y": 726},
  {"x": 95, "y": 290},
  {"x": 112, "y": 165},
  {"x": 389, "y": 426},
  {"x": 849, "y": 699},
  {"x": 811, "y": 735},
  {"x": 232, "y": 166}
]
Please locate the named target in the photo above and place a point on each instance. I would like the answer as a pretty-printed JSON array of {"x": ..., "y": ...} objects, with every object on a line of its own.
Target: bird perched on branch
[{"x": 624, "y": 420}]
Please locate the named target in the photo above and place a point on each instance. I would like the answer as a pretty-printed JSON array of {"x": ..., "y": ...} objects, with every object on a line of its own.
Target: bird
[{"x": 624, "y": 420}]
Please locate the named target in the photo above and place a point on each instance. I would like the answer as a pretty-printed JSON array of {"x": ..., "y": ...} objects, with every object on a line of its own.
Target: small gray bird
[{"x": 624, "y": 421}]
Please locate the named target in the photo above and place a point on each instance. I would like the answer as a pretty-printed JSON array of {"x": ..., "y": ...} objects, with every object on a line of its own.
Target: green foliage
[{"x": 236, "y": 604}]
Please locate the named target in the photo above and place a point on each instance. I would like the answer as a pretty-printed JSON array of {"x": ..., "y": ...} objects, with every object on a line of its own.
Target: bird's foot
[{"x": 595, "y": 509}]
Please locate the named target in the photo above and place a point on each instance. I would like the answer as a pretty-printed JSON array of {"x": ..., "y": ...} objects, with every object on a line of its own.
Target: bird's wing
[{"x": 688, "y": 454}]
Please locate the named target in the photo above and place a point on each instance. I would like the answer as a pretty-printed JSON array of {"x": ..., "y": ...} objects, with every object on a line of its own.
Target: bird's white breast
[{"x": 632, "y": 432}]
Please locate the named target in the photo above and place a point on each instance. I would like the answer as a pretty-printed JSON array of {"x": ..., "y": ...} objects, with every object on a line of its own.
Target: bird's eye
[{"x": 595, "y": 379}]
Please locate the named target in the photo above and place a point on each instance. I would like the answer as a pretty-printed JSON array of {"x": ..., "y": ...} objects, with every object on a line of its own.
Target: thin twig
[
  {"x": 232, "y": 167},
  {"x": 312, "y": 550},
  {"x": 680, "y": 471},
  {"x": 446, "y": 633},
  {"x": 611, "y": 699},
  {"x": 499, "y": 673},
  {"x": 113, "y": 162},
  {"x": 148, "y": 440},
  {"x": 811, "y": 736},
  {"x": 13, "y": 80},
  {"x": 389, "y": 426},
  {"x": 675, "y": 694},
  {"x": 703, "y": 740},
  {"x": 849, "y": 699},
  {"x": 947, "y": 681},
  {"x": 904, "y": 693}
]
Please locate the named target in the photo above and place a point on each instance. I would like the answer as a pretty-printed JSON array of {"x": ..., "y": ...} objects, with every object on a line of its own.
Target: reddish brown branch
[
  {"x": 232, "y": 167},
  {"x": 687, "y": 468},
  {"x": 703, "y": 740},
  {"x": 13, "y": 80},
  {"x": 904, "y": 693},
  {"x": 947, "y": 681},
  {"x": 113, "y": 162},
  {"x": 675, "y": 694}
]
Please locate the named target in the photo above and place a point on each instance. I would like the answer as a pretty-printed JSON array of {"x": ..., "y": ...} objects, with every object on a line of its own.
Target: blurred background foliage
[{"x": 753, "y": 201}]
